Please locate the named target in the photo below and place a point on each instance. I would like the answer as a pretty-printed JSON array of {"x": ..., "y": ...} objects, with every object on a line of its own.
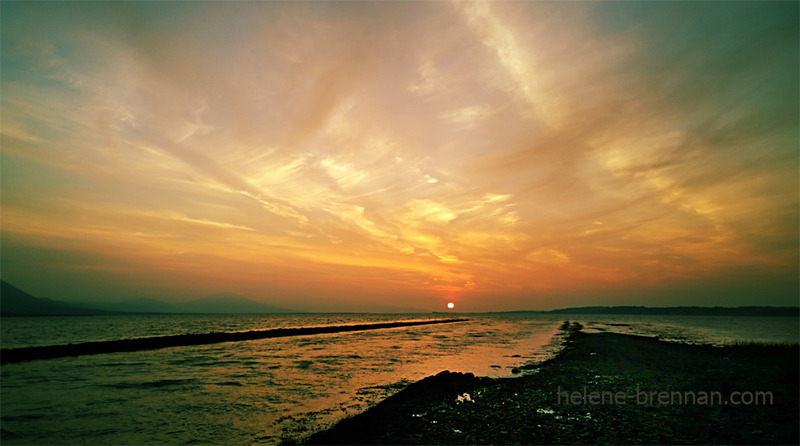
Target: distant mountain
[
  {"x": 229, "y": 303},
  {"x": 683, "y": 311},
  {"x": 223, "y": 303},
  {"x": 15, "y": 302},
  {"x": 141, "y": 305}
]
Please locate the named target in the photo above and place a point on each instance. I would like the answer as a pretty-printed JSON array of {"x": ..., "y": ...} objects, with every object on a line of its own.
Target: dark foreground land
[{"x": 527, "y": 409}]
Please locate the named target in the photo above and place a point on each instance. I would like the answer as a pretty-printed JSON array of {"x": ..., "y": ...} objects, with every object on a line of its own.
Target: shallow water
[
  {"x": 244, "y": 392},
  {"x": 260, "y": 391}
]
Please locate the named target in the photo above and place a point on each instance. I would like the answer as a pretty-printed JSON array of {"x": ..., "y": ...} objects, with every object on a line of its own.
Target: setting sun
[{"x": 256, "y": 210}]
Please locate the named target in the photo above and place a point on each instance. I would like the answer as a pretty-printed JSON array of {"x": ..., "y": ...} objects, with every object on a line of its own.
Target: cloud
[{"x": 533, "y": 147}]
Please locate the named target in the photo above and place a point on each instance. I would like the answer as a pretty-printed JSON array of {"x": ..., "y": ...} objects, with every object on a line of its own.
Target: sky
[{"x": 396, "y": 156}]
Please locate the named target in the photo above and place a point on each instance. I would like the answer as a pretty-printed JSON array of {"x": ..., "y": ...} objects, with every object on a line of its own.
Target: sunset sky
[{"x": 393, "y": 156}]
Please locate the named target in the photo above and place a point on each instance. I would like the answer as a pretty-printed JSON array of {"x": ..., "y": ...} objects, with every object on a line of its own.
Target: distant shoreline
[
  {"x": 455, "y": 408},
  {"x": 15, "y": 302},
  {"x": 760, "y": 311}
]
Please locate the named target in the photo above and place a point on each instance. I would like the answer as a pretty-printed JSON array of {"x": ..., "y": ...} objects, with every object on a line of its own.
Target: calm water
[{"x": 264, "y": 390}]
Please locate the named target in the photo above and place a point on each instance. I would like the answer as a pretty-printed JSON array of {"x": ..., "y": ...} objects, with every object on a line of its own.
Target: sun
[{"x": 451, "y": 305}]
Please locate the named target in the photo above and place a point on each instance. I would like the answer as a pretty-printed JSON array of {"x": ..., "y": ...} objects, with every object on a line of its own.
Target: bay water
[{"x": 278, "y": 389}]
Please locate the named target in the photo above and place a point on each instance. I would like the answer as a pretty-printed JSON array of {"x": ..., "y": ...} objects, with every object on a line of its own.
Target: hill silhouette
[{"x": 15, "y": 302}]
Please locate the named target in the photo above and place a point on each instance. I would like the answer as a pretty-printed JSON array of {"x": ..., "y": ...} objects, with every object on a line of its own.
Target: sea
[{"x": 276, "y": 390}]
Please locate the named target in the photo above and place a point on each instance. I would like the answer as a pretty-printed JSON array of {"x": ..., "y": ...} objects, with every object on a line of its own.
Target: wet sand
[{"x": 647, "y": 392}]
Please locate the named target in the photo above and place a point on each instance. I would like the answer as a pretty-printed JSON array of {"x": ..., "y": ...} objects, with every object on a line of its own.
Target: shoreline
[{"x": 602, "y": 388}]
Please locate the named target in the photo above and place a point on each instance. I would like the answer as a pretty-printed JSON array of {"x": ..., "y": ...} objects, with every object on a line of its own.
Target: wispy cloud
[{"x": 502, "y": 153}]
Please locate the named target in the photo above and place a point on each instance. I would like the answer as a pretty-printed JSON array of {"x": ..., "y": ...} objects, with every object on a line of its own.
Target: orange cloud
[{"x": 540, "y": 148}]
